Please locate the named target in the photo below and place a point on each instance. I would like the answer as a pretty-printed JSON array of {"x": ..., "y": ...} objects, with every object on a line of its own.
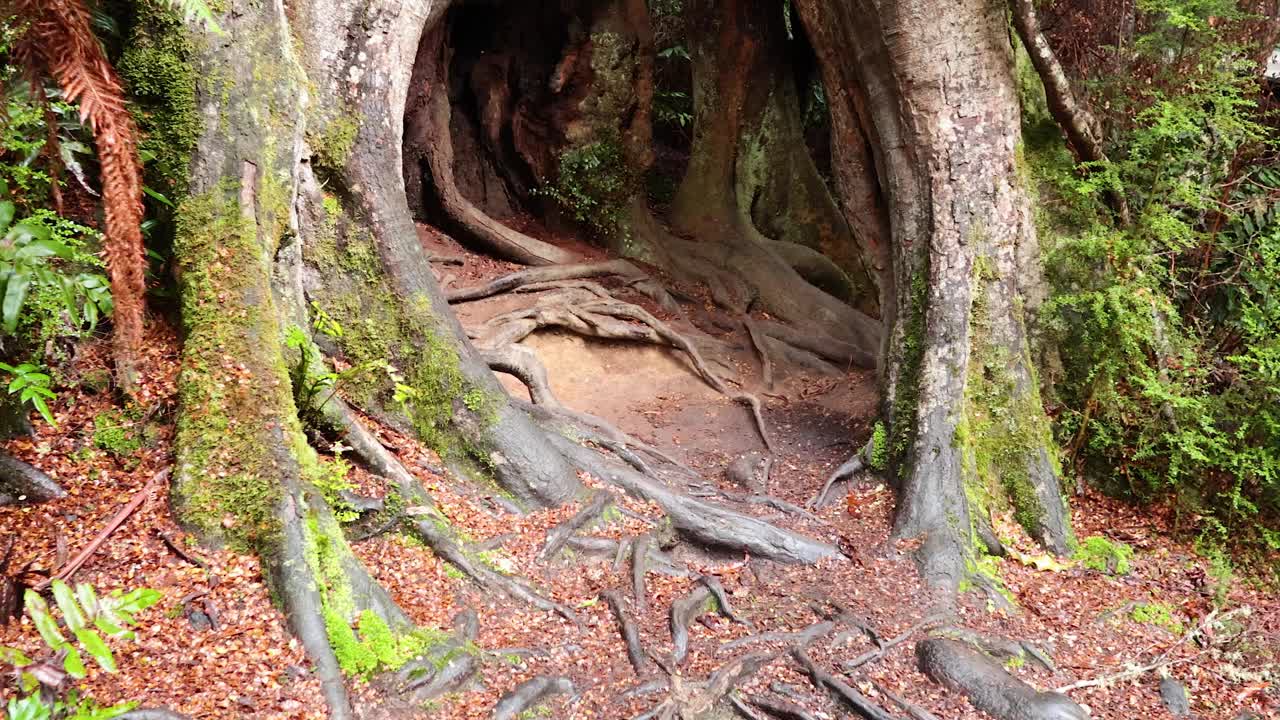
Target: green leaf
[
  {"x": 88, "y": 599},
  {"x": 113, "y": 630},
  {"x": 15, "y": 294},
  {"x": 13, "y": 656},
  {"x": 73, "y": 663},
  {"x": 27, "y": 708},
  {"x": 66, "y": 599},
  {"x": 38, "y": 611},
  {"x": 43, "y": 408},
  {"x": 6, "y": 214},
  {"x": 96, "y": 648},
  {"x": 137, "y": 600}
]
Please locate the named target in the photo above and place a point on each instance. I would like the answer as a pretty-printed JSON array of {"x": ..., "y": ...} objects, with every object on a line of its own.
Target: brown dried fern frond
[{"x": 60, "y": 39}]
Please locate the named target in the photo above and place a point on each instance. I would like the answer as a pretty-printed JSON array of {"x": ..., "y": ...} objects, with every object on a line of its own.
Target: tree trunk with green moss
[
  {"x": 296, "y": 251},
  {"x": 968, "y": 432}
]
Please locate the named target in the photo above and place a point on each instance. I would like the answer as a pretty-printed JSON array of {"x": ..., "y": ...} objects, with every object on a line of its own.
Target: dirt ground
[{"x": 244, "y": 664}]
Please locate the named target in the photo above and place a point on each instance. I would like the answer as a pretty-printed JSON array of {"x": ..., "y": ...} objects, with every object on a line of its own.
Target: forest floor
[{"x": 215, "y": 647}]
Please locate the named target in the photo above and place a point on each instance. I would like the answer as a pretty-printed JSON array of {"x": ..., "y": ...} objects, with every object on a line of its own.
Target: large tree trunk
[
  {"x": 265, "y": 247},
  {"x": 967, "y": 426}
]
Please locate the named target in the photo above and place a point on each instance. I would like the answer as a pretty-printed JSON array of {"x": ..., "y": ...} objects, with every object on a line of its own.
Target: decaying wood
[{"x": 114, "y": 523}]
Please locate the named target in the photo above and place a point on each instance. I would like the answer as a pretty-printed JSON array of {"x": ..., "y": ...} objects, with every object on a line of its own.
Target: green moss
[
  {"x": 332, "y": 143},
  {"x": 1158, "y": 614},
  {"x": 1005, "y": 429},
  {"x": 1015, "y": 662},
  {"x": 910, "y": 357},
  {"x": 1103, "y": 555},
  {"x": 879, "y": 447},
  {"x": 379, "y": 328},
  {"x": 117, "y": 434},
  {"x": 159, "y": 73},
  {"x": 224, "y": 486}
]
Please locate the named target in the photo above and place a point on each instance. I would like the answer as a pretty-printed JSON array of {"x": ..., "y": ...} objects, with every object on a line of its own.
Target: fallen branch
[
  {"x": 112, "y": 525},
  {"x": 1161, "y": 662}
]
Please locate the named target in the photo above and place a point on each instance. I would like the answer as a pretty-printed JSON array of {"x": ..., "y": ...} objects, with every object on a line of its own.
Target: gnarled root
[
  {"x": 630, "y": 635},
  {"x": 854, "y": 699},
  {"x": 545, "y": 274},
  {"x": 447, "y": 667},
  {"x": 989, "y": 687},
  {"x": 21, "y": 482},
  {"x": 704, "y": 523},
  {"x": 530, "y": 693}
]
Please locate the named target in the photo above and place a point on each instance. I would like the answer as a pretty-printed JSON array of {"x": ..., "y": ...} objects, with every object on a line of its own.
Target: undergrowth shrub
[{"x": 1168, "y": 328}]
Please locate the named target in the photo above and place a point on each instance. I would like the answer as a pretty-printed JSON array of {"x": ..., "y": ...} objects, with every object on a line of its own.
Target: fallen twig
[{"x": 112, "y": 525}]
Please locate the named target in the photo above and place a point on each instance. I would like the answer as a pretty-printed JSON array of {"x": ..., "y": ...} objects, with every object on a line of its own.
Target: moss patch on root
[
  {"x": 1003, "y": 429},
  {"x": 237, "y": 405},
  {"x": 379, "y": 328}
]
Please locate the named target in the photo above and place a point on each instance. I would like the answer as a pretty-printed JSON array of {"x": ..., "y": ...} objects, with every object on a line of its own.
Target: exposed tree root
[
  {"x": 639, "y": 559},
  {"x": 782, "y": 709},
  {"x": 817, "y": 269},
  {"x": 850, "y": 467},
  {"x": 690, "y": 701},
  {"x": 429, "y": 143},
  {"x": 884, "y": 646},
  {"x": 989, "y": 687},
  {"x": 854, "y": 699},
  {"x": 915, "y": 711},
  {"x": 722, "y": 599},
  {"x": 707, "y": 524},
  {"x": 800, "y": 638},
  {"x": 683, "y": 612},
  {"x": 23, "y": 483},
  {"x": 630, "y": 634},
  {"x": 443, "y": 544},
  {"x": 529, "y": 693},
  {"x": 610, "y": 319},
  {"x": 153, "y": 714},
  {"x": 545, "y": 274},
  {"x": 447, "y": 667},
  {"x": 560, "y": 534}
]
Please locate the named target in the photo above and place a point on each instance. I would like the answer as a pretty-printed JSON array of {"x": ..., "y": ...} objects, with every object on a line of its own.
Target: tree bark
[
  {"x": 265, "y": 252},
  {"x": 967, "y": 426}
]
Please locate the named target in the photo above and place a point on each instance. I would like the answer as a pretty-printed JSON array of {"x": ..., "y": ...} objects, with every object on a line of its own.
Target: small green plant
[
  {"x": 1103, "y": 555},
  {"x": 879, "y": 447},
  {"x": 88, "y": 617},
  {"x": 593, "y": 186},
  {"x": 34, "y": 257},
  {"x": 332, "y": 481},
  {"x": 31, "y": 385},
  {"x": 1158, "y": 614}
]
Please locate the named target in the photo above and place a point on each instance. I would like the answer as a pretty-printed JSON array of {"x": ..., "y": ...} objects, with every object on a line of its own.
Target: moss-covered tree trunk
[
  {"x": 968, "y": 429},
  {"x": 295, "y": 243}
]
